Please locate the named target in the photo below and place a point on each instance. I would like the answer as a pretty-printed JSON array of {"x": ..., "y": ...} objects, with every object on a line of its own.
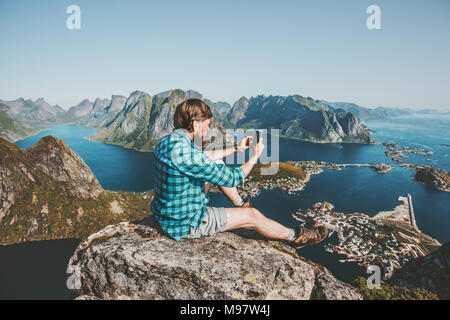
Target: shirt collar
[{"x": 184, "y": 135}]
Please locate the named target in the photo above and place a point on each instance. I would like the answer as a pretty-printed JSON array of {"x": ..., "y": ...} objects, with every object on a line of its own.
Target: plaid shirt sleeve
[{"x": 194, "y": 163}]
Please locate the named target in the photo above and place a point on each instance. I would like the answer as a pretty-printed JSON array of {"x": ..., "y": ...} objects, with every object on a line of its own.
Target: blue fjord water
[{"x": 353, "y": 189}]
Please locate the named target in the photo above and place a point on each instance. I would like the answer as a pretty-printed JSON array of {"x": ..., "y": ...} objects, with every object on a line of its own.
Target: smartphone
[{"x": 258, "y": 136}]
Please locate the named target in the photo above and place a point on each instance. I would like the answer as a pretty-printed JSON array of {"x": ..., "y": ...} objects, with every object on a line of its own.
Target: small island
[
  {"x": 380, "y": 167},
  {"x": 395, "y": 155},
  {"x": 394, "y": 147},
  {"x": 396, "y": 152},
  {"x": 435, "y": 178}
]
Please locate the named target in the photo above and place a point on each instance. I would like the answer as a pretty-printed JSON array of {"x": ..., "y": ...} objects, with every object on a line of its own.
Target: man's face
[{"x": 201, "y": 128}]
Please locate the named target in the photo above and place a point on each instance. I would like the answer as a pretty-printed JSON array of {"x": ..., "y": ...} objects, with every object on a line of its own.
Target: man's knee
[
  {"x": 243, "y": 218},
  {"x": 255, "y": 214}
]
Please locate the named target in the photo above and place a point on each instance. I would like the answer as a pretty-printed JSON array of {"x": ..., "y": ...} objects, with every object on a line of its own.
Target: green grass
[
  {"x": 286, "y": 170},
  {"x": 60, "y": 215},
  {"x": 393, "y": 292}
]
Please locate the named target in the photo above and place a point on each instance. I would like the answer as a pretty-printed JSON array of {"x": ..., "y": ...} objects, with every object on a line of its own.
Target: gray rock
[
  {"x": 238, "y": 110},
  {"x": 100, "y": 104},
  {"x": 117, "y": 103},
  {"x": 161, "y": 118},
  {"x": 32, "y": 112},
  {"x": 137, "y": 107},
  {"x": 82, "y": 109},
  {"x": 129, "y": 261}
]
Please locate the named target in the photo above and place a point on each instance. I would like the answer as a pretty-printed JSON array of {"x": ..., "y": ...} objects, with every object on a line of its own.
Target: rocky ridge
[
  {"x": 130, "y": 261},
  {"x": 48, "y": 192},
  {"x": 145, "y": 119},
  {"x": 299, "y": 117}
]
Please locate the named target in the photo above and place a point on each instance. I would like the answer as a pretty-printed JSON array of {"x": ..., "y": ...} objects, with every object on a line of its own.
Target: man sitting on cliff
[{"x": 184, "y": 173}]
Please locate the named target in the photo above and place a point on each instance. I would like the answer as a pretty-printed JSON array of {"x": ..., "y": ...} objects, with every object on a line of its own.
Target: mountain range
[
  {"x": 379, "y": 113},
  {"x": 31, "y": 113},
  {"x": 299, "y": 117},
  {"x": 141, "y": 119}
]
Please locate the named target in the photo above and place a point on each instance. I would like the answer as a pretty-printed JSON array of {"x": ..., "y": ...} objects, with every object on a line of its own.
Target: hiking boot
[{"x": 307, "y": 237}]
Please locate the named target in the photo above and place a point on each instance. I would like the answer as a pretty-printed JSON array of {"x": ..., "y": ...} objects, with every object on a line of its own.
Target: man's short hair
[{"x": 188, "y": 111}]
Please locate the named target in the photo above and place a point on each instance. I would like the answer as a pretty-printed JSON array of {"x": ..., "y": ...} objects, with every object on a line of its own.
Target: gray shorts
[{"x": 215, "y": 221}]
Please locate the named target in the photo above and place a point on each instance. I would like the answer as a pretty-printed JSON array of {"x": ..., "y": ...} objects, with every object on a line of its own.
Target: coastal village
[
  {"x": 387, "y": 240},
  {"x": 300, "y": 174},
  {"x": 292, "y": 177}
]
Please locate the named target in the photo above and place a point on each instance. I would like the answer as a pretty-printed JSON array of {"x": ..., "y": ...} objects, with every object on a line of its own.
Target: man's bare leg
[
  {"x": 253, "y": 219},
  {"x": 231, "y": 193}
]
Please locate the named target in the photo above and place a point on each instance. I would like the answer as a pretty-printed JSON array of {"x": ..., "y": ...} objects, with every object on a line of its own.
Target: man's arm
[
  {"x": 220, "y": 154},
  {"x": 194, "y": 163}
]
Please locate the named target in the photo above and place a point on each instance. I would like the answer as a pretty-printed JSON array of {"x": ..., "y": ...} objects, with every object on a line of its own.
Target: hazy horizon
[
  {"x": 206, "y": 97},
  {"x": 229, "y": 49}
]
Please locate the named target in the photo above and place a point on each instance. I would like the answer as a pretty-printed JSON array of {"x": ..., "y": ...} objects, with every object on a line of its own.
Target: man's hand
[
  {"x": 247, "y": 167},
  {"x": 244, "y": 144},
  {"x": 258, "y": 150}
]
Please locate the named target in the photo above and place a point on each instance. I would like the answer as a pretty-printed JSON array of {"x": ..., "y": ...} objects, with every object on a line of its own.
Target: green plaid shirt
[{"x": 181, "y": 170}]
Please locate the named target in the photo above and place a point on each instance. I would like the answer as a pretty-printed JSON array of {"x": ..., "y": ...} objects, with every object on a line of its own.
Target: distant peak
[
  {"x": 117, "y": 96},
  {"x": 137, "y": 93}
]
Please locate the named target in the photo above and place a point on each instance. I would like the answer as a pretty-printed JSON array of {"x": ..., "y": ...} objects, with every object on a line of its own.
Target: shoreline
[
  {"x": 39, "y": 130},
  {"x": 100, "y": 130},
  {"x": 381, "y": 168}
]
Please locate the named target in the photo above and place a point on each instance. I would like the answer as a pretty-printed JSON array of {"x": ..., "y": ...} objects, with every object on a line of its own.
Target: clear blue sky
[{"x": 227, "y": 49}]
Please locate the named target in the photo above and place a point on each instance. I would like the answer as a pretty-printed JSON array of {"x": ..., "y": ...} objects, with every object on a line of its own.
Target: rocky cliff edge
[{"x": 134, "y": 261}]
